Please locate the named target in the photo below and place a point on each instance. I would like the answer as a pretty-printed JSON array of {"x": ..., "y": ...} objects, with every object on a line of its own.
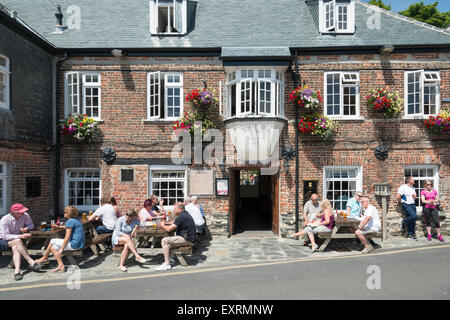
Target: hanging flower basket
[
  {"x": 317, "y": 125},
  {"x": 187, "y": 122},
  {"x": 79, "y": 127},
  {"x": 305, "y": 97},
  {"x": 386, "y": 102},
  {"x": 202, "y": 99},
  {"x": 439, "y": 124}
]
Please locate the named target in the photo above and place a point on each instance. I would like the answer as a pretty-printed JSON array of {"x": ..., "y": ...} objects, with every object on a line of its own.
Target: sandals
[
  {"x": 59, "y": 270},
  {"x": 141, "y": 260},
  {"x": 18, "y": 276},
  {"x": 123, "y": 268},
  {"x": 36, "y": 266}
]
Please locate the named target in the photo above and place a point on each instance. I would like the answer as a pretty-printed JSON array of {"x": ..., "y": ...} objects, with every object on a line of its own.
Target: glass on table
[{"x": 43, "y": 225}]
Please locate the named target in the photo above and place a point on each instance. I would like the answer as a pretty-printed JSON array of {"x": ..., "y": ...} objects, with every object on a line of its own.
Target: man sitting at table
[
  {"x": 311, "y": 212},
  {"x": 195, "y": 213},
  {"x": 15, "y": 227},
  {"x": 370, "y": 223},
  {"x": 185, "y": 234},
  {"x": 354, "y": 206},
  {"x": 107, "y": 214}
]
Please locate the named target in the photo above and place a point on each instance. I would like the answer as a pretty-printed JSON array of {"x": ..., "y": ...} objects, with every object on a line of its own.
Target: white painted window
[
  {"x": 168, "y": 16},
  {"x": 340, "y": 185},
  {"x": 4, "y": 82},
  {"x": 341, "y": 94},
  {"x": 164, "y": 95},
  {"x": 3, "y": 188},
  {"x": 422, "y": 173},
  {"x": 168, "y": 184},
  {"x": 83, "y": 188},
  {"x": 422, "y": 93},
  {"x": 337, "y": 16},
  {"x": 83, "y": 96},
  {"x": 253, "y": 92}
]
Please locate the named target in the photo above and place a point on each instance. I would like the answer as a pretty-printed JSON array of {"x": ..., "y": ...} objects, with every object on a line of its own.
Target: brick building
[
  {"x": 26, "y": 121},
  {"x": 131, "y": 65}
]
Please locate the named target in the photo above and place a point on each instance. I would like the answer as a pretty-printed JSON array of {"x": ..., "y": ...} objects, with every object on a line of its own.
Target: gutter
[{"x": 56, "y": 139}]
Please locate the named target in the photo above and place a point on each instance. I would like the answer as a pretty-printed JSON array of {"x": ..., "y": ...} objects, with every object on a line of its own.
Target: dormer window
[
  {"x": 337, "y": 16},
  {"x": 168, "y": 17}
]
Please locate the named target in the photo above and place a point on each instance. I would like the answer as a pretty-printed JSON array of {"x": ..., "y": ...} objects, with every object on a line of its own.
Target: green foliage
[
  {"x": 380, "y": 3},
  {"x": 428, "y": 14}
]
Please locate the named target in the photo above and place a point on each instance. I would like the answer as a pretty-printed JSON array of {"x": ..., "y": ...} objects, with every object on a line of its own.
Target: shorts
[
  {"x": 314, "y": 230},
  {"x": 174, "y": 242},
  {"x": 57, "y": 244},
  {"x": 366, "y": 231},
  {"x": 4, "y": 245}
]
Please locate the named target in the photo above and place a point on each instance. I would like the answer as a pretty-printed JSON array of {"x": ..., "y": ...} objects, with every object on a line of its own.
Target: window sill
[
  {"x": 159, "y": 120},
  {"x": 346, "y": 119},
  {"x": 422, "y": 117}
]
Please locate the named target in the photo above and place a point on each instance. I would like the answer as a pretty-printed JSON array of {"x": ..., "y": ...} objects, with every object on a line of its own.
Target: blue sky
[{"x": 400, "y": 5}]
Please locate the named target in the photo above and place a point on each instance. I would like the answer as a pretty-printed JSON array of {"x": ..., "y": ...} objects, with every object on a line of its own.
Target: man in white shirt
[
  {"x": 195, "y": 213},
  {"x": 406, "y": 196},
  {"x": 370, "y": 223},
  {"x": 107, "y": 214}
]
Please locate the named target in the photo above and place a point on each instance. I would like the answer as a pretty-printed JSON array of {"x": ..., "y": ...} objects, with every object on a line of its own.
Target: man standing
[
  {"x": 185, "y": 234},
  {"x": 107, "y": 214},
  {"x": 406, "y": 195},
  {"x": 15, "y": 227},
  {"x": 195, "y": 213},
  {"x": 354, "y": 206},
  {"x": 370, "y": 223}
]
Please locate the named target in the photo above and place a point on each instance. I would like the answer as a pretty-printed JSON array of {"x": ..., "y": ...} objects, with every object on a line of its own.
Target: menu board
[{"x": 201, "y": 182}]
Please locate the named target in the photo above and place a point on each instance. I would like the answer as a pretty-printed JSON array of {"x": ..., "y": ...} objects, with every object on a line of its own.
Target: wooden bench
[
  {"x": 98, "y": 240},
  {"x": 329, "y": 236},
  {"x": 69, "y": 254},
  {"x": 179, "y": 252}
]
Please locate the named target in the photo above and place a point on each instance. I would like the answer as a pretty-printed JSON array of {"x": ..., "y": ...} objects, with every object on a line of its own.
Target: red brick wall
[{"x": 124, "y": 108}]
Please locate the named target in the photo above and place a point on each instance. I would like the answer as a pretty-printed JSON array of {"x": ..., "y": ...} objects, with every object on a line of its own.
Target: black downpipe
[
  {"x": 57, "y": 142},
  {"x": 296, "y": 79}
]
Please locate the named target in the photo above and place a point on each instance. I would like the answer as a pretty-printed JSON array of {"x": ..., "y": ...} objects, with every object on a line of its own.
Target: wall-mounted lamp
[{"x": 288, "y": 154}]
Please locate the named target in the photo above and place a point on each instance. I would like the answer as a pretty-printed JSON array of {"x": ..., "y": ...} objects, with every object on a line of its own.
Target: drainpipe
[
  {"x": 296, "y": 78},
  {"x": 57, "y": 136}
]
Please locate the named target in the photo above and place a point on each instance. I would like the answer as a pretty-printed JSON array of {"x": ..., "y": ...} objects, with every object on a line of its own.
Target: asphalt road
[{"x": 419, "y": 273}]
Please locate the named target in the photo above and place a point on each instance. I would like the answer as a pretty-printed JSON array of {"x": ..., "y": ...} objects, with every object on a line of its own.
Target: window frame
[
  {"x": 238, "y": 77},
  {"x": 423, "y": 82},
  {"x": 4, "y": 195},
  {"x": 67, "y": 179},
  {"x": 168, "y": 169},
  {"x": 358, "y": 178},
  {"x": 81, "y": 87},
  {"x": 333, "y": 27},
  {"x": 343, "y": 83},
  {"x": 435, "y": 178},
  {"x": 6, "y": 72},
  {"x": 154, "y": 17},
  {"x": 162, "y": 77}
]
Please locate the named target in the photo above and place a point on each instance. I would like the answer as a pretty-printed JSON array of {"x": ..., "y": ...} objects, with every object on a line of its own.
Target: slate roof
[{"x": 216, "y": 24}]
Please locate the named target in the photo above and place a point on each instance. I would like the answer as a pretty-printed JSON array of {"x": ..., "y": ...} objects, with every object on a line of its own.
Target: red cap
[{"x": 18, "y": 207}]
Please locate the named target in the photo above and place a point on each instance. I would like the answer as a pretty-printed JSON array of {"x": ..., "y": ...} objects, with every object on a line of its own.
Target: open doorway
[{"x": 254, "y": 201}]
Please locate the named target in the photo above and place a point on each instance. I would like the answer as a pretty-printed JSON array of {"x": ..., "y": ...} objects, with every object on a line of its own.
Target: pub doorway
[{"x": 254, "y": 202}]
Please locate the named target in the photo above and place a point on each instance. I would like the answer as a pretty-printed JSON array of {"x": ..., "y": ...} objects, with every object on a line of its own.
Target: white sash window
[
  {"x": 164, "y": 95},
  {"x": 82, "y": 188},
  {"x": 84, "y": 87},
  {"x": 337, "y": 16},
  {"x": 422, "y": 93},
  {"x": 4, "y": 82},
  {"x": 342, "y": 94}
]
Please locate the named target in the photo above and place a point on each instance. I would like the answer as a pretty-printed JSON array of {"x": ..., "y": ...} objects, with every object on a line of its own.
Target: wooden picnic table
[
  {"x": 342, "y": 223},
  {"x": 144, "y": 234}
]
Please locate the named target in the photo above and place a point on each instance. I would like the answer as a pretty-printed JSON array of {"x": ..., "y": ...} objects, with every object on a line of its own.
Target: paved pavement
[
  {"x": 409, "y": 273},
  {"x": 221, "y": 251}
]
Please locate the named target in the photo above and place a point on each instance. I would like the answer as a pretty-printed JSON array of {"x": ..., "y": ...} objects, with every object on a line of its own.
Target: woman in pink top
[{"x": 429, "y": 197}]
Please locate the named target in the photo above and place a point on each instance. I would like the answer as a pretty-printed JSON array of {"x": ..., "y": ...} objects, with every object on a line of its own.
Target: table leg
[{"x": 327, "y": 241}]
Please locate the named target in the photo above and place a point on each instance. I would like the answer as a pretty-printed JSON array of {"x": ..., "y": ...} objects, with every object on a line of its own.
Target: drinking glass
[{"x": 43, "y": 225}]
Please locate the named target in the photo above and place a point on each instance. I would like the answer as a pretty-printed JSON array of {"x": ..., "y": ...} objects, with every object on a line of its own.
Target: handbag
[{"x": 439, "y": 207}]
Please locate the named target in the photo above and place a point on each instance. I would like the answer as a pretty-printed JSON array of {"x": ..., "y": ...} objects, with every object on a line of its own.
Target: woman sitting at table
[
  {"x": 324, "y": 224},
  {"x": 74, "y": 239},
  {"x": 112, "y": 201},
  {"x": 124, "y": 232}
]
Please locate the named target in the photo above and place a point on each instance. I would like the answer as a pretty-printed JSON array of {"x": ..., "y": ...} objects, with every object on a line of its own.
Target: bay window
[
  {"x": 253, "y": 92},
  {"x": 422, "y": 93}
]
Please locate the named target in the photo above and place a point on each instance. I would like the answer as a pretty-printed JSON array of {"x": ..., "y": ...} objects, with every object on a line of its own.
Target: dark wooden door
[
  {"x": 275, "y": 203},
  {"x": 234, "y": 196}
]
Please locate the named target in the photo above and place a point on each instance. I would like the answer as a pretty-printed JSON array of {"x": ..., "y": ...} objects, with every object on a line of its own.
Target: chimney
[{"x": 59, "y": 24}]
